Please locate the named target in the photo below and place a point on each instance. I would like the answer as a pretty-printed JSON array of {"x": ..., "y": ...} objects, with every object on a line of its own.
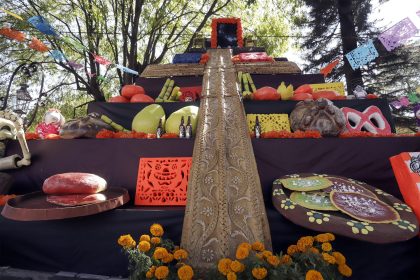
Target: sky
[{"x": 386, "y": 15}]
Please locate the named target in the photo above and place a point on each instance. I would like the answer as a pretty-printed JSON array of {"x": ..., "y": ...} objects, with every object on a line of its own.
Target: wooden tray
[
  {"x": 34, "y": 206},
  {"x": 339, "y": 223}
]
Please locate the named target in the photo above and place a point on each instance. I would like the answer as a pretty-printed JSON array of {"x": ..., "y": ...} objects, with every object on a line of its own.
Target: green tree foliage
[
  {"x": 336, "y": 27},
  {"x": 132, "y": 33}
]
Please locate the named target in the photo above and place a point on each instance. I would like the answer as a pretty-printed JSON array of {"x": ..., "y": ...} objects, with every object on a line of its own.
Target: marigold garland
[
  {"x": 224, "y": 265},
  {"x": 169, "y": 135},
  {"x": 328, "y": 258},
  {"x": 340, "y": 258},
  {"x": 286, "y": 134}
]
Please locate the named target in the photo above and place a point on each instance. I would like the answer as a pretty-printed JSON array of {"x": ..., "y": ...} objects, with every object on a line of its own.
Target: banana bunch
[{"x": 286, "y": 93}]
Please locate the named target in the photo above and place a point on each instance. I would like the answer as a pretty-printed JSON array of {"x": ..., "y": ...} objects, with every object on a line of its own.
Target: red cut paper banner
[
  {"x": 327, "y": 69},
  {"x": 163, "y": 181},
  {"x": 103, "y": 61},
  {"x": 12, "y": 34},
  {"x": 37, "y": 45}
]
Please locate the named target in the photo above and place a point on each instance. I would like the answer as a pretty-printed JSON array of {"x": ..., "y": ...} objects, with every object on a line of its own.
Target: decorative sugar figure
[{"x": 51, "y": 124}]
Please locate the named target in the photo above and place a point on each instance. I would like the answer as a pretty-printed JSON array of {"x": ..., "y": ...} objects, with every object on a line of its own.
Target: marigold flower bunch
[
  {"x": 154, "y": 257},
  {"x": 311, "y": 258}
]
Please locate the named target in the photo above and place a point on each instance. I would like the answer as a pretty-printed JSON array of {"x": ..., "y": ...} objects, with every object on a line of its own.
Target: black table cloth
[{"x": 80, "y": 244}]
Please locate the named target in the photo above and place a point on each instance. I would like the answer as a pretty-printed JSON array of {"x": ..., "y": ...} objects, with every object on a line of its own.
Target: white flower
[{"x": 207, "y": 255}]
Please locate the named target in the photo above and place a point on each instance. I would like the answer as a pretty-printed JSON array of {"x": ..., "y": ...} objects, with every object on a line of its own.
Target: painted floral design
[
  {"x": 235, "y": 180},
  {"x": 277, "y": 182},
  {"x": 287, "y": 204},
  {"x": 381, "y": 192},
  {"x": 207, "y": 211},
  {"x": 360, "y": 227},
  {"x": 278, "y": 192},
  {"x": 318, "y": 217},
  {"x": 239, "y": 210},
  {"x": 402, "y": 207},
  {"x": 207, "y": 255},
  {"x": 406, "y": 225},
  {"x": 208, "y": 180}
]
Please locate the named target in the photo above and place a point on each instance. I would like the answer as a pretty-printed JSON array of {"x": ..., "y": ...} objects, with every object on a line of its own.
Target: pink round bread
[
  {"x": 74, "y": 183},
  {"x": 76, "y": 199}
]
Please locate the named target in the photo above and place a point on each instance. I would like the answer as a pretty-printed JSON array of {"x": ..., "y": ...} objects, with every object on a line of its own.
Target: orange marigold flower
[
  {"x": 286, "y": 259},
  {"x": 326, "y": 247},
  {"x": 161, "y": 272},
  {"x": 339, "y": 258},
  {"x": 224, "y": 265},
  {"x": 259, "y": 272},
  {"x": 331, "y": 236},
  {"x": 345, "y": 270},
  {"x": 314, "y": 250},
  {"x": 328, "y": 258},
  {"x": 259, "y": 256},
  {"x": 151, "y": 272},
  {"x": 185, "y": 272},
  {"x": 273, "y": 260},
  {"x": 322, "y": 237},
  {"x": 304, "y": 243},
  {"x": 258, "y": 246},
  {"x": 237, "y": 266},
  {"x": 156, "y": 230},
  {"x": 292, "y": 249},
  {"x": 267, "y": 254},
  {"x": 126, "y": 241},
  {"x": 149, "y": 275},
  {"x": 144, "y": 246},
  {"x": 242, "y": 253},
  {"x": 155, "y": 240},
  {"x": 168, "y": 258},
  {"x": 231, "y": 276},
  {"x": 246, "y": 245},
  {"x": 313, "y": 275},
  {"x": 160, "y": 253},
  {"x": 145, "y": 237},
  {"x": 180, "y": 254}
]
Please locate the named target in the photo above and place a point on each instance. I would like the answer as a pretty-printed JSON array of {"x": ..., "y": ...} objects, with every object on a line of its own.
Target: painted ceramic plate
[
  {"x": 305, "y": 184},
  {"x": 339, "y": 223}
]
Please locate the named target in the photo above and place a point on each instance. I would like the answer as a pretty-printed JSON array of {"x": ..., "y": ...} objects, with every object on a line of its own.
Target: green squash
[
  {"x": 147, "y": 120},
  {"x": 174, "y": 120}
]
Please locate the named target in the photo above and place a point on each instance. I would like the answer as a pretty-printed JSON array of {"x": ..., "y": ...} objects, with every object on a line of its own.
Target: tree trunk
[{"x": 349, "y": 39}]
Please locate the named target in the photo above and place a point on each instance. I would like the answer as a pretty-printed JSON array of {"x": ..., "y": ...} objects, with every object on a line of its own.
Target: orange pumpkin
[
  {"x": 144, "y": 98},
  {"x": 118, "y": 99},
  {"x": 129, "y": 91}
]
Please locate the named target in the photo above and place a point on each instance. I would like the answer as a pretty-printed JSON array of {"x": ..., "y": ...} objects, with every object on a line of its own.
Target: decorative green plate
[
  {"x": 311, "y": 183},
  {"x": 313, "y": 200}
]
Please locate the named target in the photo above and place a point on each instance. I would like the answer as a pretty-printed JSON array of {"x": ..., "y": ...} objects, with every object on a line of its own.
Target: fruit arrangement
[
  {"x": 132, "y": 94},
  {"x": 171, "y": 93}
]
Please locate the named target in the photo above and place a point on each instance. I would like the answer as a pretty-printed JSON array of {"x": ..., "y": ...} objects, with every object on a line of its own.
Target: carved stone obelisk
[{"x": 225, "y": 204}]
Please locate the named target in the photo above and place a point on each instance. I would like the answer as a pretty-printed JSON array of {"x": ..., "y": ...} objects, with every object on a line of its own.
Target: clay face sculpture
[
  {"x": 319, "y": 115},
  {"x": 371, "y": 120}
]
